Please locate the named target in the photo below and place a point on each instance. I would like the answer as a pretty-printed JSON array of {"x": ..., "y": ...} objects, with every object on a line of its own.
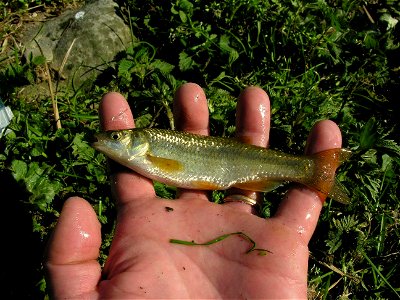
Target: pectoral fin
[
  {"x": 165, "y": 164},
  {"x": 259, "y": 186}
]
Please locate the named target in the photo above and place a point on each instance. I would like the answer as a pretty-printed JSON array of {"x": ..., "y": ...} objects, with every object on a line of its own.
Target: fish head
[{"x": 121, "y": 145}]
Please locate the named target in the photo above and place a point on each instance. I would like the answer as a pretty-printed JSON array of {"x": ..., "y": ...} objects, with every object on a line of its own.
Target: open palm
[{"x": 142, "y": 262}]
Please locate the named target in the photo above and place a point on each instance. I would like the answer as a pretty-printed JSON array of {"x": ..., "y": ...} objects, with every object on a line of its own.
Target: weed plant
[{"x": 321, "y": 59}]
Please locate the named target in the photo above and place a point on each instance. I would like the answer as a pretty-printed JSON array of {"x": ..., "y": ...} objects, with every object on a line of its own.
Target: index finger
[
  {"x": 127, "y": 186},
  {"x": 191, "y": 115}
]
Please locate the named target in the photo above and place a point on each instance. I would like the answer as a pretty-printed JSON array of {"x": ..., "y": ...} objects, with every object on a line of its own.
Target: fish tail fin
[
  {"x": 326, "y": 162},
  {"x": 338, "y": 193}
]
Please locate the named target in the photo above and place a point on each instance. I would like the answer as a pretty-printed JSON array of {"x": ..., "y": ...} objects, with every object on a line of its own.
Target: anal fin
[
  {"x": 205, "y": 185},
  {"x": 259, "y": 186}
]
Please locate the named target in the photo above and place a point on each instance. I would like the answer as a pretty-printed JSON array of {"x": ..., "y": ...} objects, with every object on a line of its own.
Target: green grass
[{"x": 317, "y": 60}]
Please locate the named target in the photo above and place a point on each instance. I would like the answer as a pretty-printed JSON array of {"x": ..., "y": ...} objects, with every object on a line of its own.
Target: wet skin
[{"x": 143, "y": 264}]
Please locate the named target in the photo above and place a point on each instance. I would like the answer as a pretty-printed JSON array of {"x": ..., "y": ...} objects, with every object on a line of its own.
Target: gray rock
[{"x": 80, "y": 44}]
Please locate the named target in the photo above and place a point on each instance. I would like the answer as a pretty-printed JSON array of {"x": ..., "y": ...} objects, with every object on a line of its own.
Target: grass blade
[{"x": 221, "y": 238}]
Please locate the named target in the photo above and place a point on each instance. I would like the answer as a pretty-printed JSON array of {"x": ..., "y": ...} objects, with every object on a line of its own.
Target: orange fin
[
  {"x": 326, "y": 163},
  {"x": 206, "y": 185},
  {"x": 165, "y": 164},
  {"x": 259, "y": 186}
]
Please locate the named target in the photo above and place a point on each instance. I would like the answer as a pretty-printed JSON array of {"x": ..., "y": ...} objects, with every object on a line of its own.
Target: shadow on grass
[{"x": 22, "y": 249}]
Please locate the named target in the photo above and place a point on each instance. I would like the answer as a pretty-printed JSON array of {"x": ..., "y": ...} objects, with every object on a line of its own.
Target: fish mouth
[
  {"x": 95, "y": 145},
  {"x": 97, "y": 142}
]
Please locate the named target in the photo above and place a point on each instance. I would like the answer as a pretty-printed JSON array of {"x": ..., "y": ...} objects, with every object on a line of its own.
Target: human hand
[{"x": 143, "y": 264}]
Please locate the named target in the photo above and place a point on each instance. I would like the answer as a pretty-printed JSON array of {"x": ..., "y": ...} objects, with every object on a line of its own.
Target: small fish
[{"x": 193, "y": 161}]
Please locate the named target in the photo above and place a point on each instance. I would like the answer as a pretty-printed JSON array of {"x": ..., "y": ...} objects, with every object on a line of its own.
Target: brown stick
[
  {"x": 50, "y": 83},
  {"x": 53, "y": 98},
  {"x": 368, "y": 14}
]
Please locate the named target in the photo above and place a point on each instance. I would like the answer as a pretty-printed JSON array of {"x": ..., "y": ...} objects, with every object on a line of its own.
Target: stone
[{"x": 82, "y": 43}]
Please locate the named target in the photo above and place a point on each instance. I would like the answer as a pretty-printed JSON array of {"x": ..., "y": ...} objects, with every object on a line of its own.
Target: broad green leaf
[
  {"x": 81, "y": 149},
  {"x": 124, "y": 66},
  {"x": 185, "y": 5},
  {"x": 164, "y": 67},
  {"x": 143, "y": 121},
  {"x": 368, "y": 135},
  {"x": 34, "y": 176},
  {"x": 39, "y": 60},
  {"x": 186, "y": 62},
  {"x": 391, "y": 22},
  {"x": 225, "y": 47},
  {"x": 370, "y": 39},
  {"x": 224, "y": 43},
  {"x": 19, "y": 169},
  {"x": 183, "y": 16}
]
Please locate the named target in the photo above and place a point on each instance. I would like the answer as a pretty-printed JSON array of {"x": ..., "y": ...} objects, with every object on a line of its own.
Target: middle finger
[{"x": 252, "y": 127}]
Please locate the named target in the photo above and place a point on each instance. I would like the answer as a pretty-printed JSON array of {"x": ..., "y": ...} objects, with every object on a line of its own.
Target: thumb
[{"x": 71, "y": 262}]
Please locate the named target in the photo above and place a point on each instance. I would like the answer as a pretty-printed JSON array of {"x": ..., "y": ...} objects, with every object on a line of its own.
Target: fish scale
[
  {"x": 231, "y": 161},
  {"x": 214, "y": 163}
]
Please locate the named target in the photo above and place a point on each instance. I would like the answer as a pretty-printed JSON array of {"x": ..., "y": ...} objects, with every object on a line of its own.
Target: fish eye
[{"x": 116, "y": 136}]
